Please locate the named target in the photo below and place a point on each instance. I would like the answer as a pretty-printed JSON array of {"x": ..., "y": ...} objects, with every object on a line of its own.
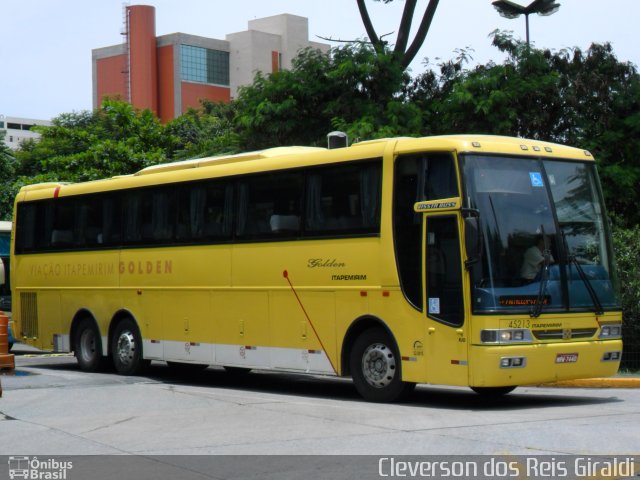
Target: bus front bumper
[{"x": 510, "y": 365}]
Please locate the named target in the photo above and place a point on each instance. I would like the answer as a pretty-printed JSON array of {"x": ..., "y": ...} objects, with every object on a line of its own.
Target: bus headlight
[
  {"x": 611, "y": 331},
  {"x": 500, "y": 336}
]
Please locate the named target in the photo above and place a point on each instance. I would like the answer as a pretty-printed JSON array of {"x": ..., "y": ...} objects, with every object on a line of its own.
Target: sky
[{"x": 45, "y": 45}]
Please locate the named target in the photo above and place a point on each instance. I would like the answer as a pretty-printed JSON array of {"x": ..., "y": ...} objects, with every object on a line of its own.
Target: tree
[
  {"x": 585, "y": 99},
  {"x": 115, "y": 139},
  {"x": 7, "y": 173},
  {"x": 347, "y": 89},
  {"x": 205, "y": 132},
  {"x": 627, "y": 250},
  {"x": 402, "y": 52}
]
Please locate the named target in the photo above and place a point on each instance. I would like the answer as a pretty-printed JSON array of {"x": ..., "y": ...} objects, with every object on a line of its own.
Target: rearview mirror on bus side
[{"x": 2, "y": 273}]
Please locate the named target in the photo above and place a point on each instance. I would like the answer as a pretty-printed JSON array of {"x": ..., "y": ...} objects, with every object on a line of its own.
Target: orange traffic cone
[{"x": 7, "y": 360}]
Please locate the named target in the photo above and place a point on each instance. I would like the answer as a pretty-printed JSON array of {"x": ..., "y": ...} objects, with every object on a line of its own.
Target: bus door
[{"x": 447, "y": 331}]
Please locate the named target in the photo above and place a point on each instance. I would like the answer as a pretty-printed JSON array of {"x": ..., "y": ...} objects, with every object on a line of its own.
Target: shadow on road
[{"x": 261, "y": 381}]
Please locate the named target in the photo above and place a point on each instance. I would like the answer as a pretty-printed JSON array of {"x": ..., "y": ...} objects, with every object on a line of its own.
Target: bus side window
[
  {"x": 132, "y": 215},
  {"x": 444, "y": 270},
  {"x": 205, "y": 211},
  {"x": 26, "y": 227},
  {"x": 440, "y": 180},
  {"x": 343, "y": 199},
  {"x": 269, "y": 205},
  {"x": 62, "y": 232}
]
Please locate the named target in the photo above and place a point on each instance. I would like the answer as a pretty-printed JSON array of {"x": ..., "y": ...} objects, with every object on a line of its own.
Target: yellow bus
[{"x": 471, "y": 260}]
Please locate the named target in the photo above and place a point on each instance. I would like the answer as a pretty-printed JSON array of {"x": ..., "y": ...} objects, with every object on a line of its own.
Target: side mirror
[{"x": 3, "y": 277}]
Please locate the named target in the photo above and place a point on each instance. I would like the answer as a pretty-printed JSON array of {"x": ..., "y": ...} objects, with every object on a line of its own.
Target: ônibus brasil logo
[{"x": 34, "y": 469}]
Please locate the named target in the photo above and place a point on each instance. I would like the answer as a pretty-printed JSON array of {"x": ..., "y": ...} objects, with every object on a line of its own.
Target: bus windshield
[{"x": 544, "y": 236}]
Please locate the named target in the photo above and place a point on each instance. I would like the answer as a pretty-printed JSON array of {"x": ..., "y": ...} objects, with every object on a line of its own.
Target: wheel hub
[
  {"x": 126, "y": 347},
  {"x": 378, "y": 365},
  {"x": 87, "y": 345}
]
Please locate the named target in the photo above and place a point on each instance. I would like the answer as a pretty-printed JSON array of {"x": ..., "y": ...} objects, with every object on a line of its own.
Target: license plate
[{"x": 567, "y": 358}]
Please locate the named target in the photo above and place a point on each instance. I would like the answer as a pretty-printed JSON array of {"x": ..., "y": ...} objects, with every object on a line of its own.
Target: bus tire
[
  {"x": 489, "y": 392},
  {"x": 126, "y": 349},
  {"x": 87, "y": 347},
  {"x": 376, "y": 367}
]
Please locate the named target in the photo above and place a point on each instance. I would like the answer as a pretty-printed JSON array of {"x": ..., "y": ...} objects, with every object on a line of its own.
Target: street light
[{"x": 509, "y": 9}]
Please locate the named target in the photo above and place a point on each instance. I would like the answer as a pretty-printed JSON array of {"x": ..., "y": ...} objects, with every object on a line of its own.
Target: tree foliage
[
  {"x": 627, "y": 249},
  {"x": 586, "y": 99},
  {"x": 7, "y": 174},
  {"x": 352, "y": 88},
  {"x": 115, "y": 139},
  {"x": 207, "y": 131}
]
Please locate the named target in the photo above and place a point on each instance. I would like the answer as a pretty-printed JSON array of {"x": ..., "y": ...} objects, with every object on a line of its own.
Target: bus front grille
[
  {"x": 29, "y": 314},
  {"x": 565, "y": 334}
]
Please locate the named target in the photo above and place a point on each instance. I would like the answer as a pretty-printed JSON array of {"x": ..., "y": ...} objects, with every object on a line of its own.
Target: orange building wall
[
  {"x": 166, "y": 104},
  {"x": 193, "y": 92},
  {"x": 109, "y": 77},
  {"x": 143, "y": 56}
]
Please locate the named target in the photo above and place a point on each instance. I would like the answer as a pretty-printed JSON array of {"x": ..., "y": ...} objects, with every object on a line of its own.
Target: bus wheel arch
[
  {"x": 125, "y": 344},
  {"x": 370, "y": 354},
  {"x": 86, "y": 342},
  {"x": 357, "y": 327}
]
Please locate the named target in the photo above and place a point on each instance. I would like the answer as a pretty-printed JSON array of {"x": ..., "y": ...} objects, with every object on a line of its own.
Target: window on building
[{"x": 204, "y": 65}]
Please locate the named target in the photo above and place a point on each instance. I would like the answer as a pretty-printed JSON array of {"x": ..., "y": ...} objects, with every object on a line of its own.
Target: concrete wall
[{"x": 154, "y": 63}]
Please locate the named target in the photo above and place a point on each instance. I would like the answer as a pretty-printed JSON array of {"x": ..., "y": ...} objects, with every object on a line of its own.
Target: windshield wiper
[
  {"x": 587, "y": 283},
  {"x": 536, "y": 310},
  {"x": 571, "y": 259}
]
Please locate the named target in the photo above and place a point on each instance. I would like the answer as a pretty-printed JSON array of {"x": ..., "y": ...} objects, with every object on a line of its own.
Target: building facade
[
  {"x": 17, "y": 129},
  {"x": 171, "y": 73}
]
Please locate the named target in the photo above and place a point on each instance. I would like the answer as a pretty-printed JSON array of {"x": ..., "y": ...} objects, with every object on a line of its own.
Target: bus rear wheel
[
  {"x": 87, "y": 347},
  {"x": 126, "y": 349},
  {"x": 376, "y": 368}
]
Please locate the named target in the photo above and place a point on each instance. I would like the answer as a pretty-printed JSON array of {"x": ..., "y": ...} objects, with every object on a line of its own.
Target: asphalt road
[{"x": 51, "y": 407}]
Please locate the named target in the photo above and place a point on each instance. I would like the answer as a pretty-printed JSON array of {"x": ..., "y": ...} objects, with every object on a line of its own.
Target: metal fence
[{"x": 630, "y": 362}]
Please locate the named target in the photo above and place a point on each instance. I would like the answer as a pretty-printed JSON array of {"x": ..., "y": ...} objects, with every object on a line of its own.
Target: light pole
[{"x": 509, "y": 9}]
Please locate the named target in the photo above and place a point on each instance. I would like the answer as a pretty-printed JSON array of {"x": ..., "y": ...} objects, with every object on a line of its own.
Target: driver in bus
[{"x": 533, "y": 260}]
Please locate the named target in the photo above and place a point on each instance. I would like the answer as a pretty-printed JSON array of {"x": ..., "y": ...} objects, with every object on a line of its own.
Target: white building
[{"x": 18, "y": 129}]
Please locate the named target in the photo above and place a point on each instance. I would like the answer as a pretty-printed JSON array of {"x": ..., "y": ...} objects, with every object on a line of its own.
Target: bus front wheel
[
  {"x": 376, "y": 368},
  {"x": 126, "y": 349}
]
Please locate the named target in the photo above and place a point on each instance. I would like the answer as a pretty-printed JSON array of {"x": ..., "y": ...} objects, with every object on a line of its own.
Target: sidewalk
[{"x": 619, "y": 381}]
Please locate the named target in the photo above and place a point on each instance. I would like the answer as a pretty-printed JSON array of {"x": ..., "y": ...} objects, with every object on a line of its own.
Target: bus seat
[
  {"x": 61, "y": 237},
  {"x": 281, "y": 223}
]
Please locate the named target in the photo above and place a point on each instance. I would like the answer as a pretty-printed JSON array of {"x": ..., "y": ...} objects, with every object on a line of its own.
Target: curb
[{"x": 614, "y": 382}]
